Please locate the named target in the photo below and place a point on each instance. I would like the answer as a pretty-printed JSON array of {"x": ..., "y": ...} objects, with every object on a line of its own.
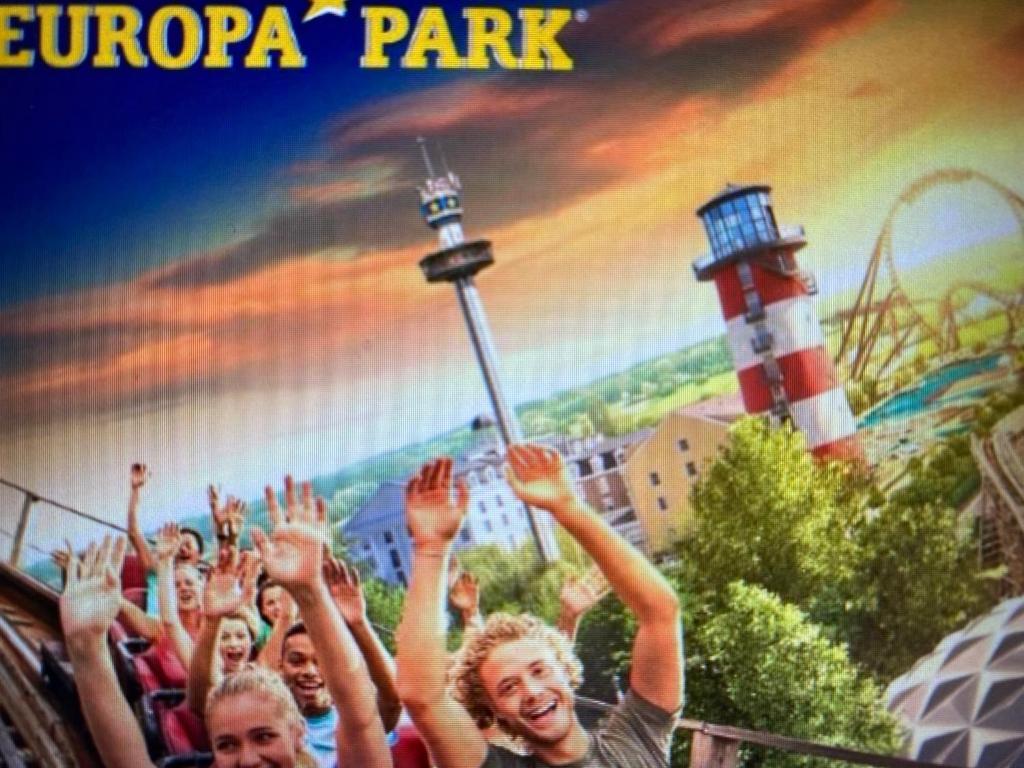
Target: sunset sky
[{"x": 216, "y": 271}]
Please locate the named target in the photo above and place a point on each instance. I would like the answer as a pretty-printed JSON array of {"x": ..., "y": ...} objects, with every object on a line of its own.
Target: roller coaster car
[
  {"x": 133, "y": 575},
  {"x": 409, "y": 751},
  {"x": 133, "y": 671},
  {"x": 169, "y": 726},
  {"x": 194, "y": 760},
  {"x": 56, "y": 671}
]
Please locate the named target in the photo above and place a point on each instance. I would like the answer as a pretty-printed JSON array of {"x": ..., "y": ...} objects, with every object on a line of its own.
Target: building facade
[
  {"x": 377, "y": 533},
  {"x": 660, "y": 472}
]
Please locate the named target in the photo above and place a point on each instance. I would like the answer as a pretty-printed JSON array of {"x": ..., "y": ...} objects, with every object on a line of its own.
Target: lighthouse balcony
[
  {"x": 810, "y": 283},
  {"x": 744, "y": 246},
  {"x": 792, "y": 232}
]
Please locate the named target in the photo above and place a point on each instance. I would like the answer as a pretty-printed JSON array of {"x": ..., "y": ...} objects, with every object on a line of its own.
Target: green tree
[
  {"x": 384, "y": 608},
  {"x": 758, "y": 663},
  {"x": 918, "y": 580},
  {"x": 767, "y": 513},
  {"x": 946, "y": 476}
]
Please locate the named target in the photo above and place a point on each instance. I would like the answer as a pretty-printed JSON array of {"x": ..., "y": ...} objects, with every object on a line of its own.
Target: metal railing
[
  {"x": 717, "y": 746},
  {"x": 29, "y": 500}
]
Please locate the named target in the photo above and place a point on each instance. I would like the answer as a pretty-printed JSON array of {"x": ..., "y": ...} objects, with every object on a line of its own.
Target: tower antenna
[{"x": 426, "y": 156}]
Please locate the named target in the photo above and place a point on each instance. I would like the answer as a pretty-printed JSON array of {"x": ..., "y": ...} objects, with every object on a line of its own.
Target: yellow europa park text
[{"x": 179, "y": 37}]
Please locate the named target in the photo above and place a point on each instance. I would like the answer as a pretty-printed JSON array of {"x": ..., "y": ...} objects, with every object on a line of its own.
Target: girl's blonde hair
[
  {"x": 464, "y": 673},
  {"x": 268, "y": 685}
]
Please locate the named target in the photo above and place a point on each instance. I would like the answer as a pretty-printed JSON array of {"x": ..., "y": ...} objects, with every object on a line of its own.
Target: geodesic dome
[{"x": 964, "y": 702}]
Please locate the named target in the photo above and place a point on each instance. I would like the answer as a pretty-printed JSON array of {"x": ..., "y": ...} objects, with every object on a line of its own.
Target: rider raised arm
[{"x": 293, "y": 556}]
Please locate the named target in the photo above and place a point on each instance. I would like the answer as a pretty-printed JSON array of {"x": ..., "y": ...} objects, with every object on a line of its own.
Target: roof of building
[
  {"x": 381, "y": 508},
  {"x": 723, "y": 408},
  {"x": 731, "y": 191},
  {"x": 388, "y": 502}
]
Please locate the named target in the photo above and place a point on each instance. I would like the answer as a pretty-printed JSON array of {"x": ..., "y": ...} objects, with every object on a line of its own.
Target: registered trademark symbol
[{"x": 582, "y": 14}]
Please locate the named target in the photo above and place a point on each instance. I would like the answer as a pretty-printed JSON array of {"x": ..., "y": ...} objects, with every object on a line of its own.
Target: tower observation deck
[
  {"x": 457, "y": 262},
  {"x": 773, "y": 331}
]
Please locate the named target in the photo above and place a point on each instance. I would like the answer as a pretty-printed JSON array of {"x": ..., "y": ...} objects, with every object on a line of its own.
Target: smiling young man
[
  {"x": 301, "y": 673},
  {"x": 518, "y": 672}
]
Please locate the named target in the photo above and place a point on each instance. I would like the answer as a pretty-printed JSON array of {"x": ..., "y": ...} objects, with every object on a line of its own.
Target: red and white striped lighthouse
[{"x": 774, "y": 335}]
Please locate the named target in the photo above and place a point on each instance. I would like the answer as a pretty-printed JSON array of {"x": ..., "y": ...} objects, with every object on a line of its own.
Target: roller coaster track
[
  {"x": 37, "y": 728},
  {"x": 1001, "y": 465},
  {"x": 883, "y": 307}
]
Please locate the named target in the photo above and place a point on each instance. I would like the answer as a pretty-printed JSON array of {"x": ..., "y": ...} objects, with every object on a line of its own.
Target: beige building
[{"x": 660, "y": 472}]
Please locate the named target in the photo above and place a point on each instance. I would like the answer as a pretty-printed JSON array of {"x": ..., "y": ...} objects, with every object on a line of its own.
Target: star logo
[{"x": 318, "y": 8}]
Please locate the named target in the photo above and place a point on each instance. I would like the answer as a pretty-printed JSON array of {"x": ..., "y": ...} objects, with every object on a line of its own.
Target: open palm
[
  {"x": 293, "y": 554},
  {"x": 346, "y": 589},
  {"x": 223, "y": 594},
  {"x": 432, "y": 515},
  {"x": 538, "y": 476},
  {"x": 92, "y": 595}
]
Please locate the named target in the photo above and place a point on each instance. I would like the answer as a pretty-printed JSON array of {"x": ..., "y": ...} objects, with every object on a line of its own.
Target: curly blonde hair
[
  {"x": 262, "y": 682},
  {"x": 464, "y": 674}
]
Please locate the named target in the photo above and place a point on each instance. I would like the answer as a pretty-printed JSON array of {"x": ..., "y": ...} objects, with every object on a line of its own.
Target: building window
[
  {"x": 388, "y": 538},
  {"x": 691, "y": 469},
  {"x": 465, "y": 535},
  {"x": 499, "y": 501},
  {"x": 487, "y": 526},
  {"x": 655, "y": 479},
  {"x": 662, "y": 504},
  {"x": 489, "y": 474},
  {"x": 684, "y": 444},
  {"x": 483, "y": 507},
  {"x": 504, "y": 519},
  {"x": 401, "y": 578},
  {"x": 396, "y": 559},
  {"x": 366, "y": 546}
]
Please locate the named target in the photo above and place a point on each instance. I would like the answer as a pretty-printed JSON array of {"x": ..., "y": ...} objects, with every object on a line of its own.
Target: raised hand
[
  {"x": 538, "y": 477},
  {"x": 139, "y": 475},
  {"x": 61, "y": 557},
  {"x": 346, "y": 590},
  {"x": 168, "y": 541},
  {"x": 464, "y": 594},
  {"x": 293, "y": 554},
  {"x": 228, "y": 519},
  {"x": 92, "y": 594},
  {"x": 432, "y": 516},
  {"x": 223, "y": 593},
  {"x": 251, "y": 567},
  {"x": 579, "y": 595}
]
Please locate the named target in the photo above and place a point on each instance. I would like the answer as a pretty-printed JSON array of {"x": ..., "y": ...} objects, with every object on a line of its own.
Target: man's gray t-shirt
[{"x": 636, "y": 734}]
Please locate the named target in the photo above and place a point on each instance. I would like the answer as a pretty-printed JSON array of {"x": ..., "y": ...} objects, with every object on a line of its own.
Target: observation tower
[
  {"x": 456, "y": 263},
  {"x": 775, "y": 338}
]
